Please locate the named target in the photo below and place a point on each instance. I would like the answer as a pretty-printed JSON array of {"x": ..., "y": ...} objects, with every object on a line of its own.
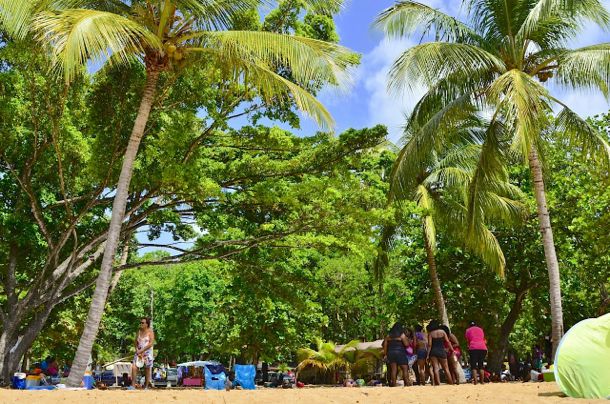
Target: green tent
[{"x": 582, "y": 361}]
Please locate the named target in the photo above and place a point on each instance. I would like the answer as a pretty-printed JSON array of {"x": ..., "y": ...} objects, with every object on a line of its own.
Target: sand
[{"x": 491, "y": 393}]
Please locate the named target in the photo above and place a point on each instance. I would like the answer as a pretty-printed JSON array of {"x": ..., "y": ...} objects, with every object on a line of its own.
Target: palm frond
[
  {"x": 16, "y": 16},
  {"x": 350, "y": 346},
  {"x": 587, "y": 67},
  {"x": 213, "y": 15},
  {"x": 406, "y": 17},
  {"x": 524, "y": 104},
  {"x": 327, "y": 7},
  {"x": 444, "y": 127},
  {"x": 574, "y": 10},
  {"x": 485, "y": 245},
  {"x": 430, "y": 62},
  {"x": 489, "y": 169},
  {"x": 582, "y": 135},
  {"x": 272, "y": 87},
  {"x": 309, "y": 60},
  {"x": 80, "y": 35},
  {"x": 382, "y": 260},
  {"x": 312, "y": 363}
]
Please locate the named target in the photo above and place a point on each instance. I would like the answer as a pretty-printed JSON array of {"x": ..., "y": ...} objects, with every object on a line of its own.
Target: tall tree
[
  {"x": 165, "y": 35},
  {"x": 498, "y": 62},
  {"x": 440, "y": 189}
]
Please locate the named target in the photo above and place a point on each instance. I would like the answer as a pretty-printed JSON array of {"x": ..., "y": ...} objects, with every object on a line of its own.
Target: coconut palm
[
  {"x": 497, "y": 63},
  {"x": 328, "y": 357},
  {"x": 440, "y": 186},
  {"x": 164, "y": 35}
]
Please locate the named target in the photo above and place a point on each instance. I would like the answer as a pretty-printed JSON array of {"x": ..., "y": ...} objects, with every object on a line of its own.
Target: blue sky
[{"x": 367, "y": 103}]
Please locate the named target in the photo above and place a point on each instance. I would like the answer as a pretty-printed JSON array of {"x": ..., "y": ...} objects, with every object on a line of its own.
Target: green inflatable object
[{"x": 582, "y": 361}]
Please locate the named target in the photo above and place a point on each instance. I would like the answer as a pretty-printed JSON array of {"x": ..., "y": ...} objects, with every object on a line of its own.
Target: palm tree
[
  {"x": 328, "y": 357},
  {"x": 164, "y": 35},
  {"x": 439, "y": 184},
  {"x": 496, "y": 64}
]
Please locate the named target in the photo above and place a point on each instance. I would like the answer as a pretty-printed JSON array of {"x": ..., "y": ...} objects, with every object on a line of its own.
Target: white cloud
[
  {"x": 384, "y": 107},
  {"x": 584, "y": 103},
  {"x": 390, "y": 109}
]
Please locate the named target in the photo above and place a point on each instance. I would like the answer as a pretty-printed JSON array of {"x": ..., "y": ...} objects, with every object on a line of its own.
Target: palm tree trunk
[
  {"x": 118, "y": 212},
  {"x": 436, "y": 285},
  {"x": 117, "y": 276},
  {"x": 549, "y": 249}
]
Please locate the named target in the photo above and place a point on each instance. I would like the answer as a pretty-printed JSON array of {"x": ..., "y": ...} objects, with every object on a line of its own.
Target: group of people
[
  {"x": 48, "y": 368},
  {"x": 434, "y": 349}
]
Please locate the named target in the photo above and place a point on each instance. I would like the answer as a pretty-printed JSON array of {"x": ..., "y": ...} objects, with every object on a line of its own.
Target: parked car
[{"x": 171, "y": 378}]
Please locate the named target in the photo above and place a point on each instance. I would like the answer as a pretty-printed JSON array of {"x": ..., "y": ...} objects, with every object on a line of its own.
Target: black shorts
[
  {"x": 439, "y": 353},
  {"x": 398, "y": 357},
  {"x": 477, "y": 357}
]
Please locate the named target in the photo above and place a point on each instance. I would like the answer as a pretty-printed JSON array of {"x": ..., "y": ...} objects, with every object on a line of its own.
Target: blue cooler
[{"x": 19, "y": 381}]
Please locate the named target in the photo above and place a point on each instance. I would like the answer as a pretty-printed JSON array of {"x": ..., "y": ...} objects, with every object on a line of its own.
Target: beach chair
[{"x": 244, "y": 376}]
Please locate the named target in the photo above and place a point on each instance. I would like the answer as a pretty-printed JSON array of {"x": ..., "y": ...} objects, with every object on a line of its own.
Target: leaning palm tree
[
  {"x": 439, "y": 184},
  {"x": 497, "y": 63},
  {"x": 164, "y": 35}
]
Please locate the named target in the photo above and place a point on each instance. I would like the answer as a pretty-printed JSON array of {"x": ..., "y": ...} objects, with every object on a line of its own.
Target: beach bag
[
  {"x": 244, "y": 376},
  {"x": 582, "y": 358}
]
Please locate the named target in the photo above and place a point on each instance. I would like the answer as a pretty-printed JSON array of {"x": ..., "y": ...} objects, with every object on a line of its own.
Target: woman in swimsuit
[
  {"x": 453, "y": 354},
  {"x": 145, "y": 338},
  {"x": 394, "y": 350},
  {"x": 421, "y": 348},
  {"x": 436, "y": 352}
]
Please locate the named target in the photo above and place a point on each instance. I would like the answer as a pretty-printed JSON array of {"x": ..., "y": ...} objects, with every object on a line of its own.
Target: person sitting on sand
[
  {"x": 505, "y": 375},
  {"x": 394, "y": 350},
  {"x": 437, "y": 339}
]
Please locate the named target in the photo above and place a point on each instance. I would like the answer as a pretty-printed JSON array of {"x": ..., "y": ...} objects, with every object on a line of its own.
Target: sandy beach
[{"x": 491, "y": 393}]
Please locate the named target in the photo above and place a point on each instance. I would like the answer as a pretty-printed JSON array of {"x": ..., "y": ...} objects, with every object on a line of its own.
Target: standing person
[
  {"x": 477, "y": 350},
  {"x": 453, "y": 354},
  {"x": 537, "y": 358},
  {"x": 421, "y": 348},
  {"x": 437, "y": 340},
  {"x": 411, "y": 349},
  {"x": 145, "y": 338},
  {"x": 394, "y": 350}
]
